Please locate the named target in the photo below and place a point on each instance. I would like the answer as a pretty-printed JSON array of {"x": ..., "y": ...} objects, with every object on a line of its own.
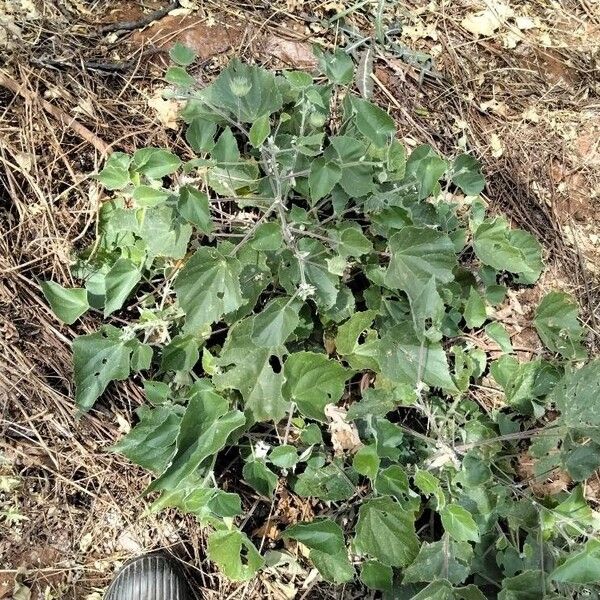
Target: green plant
[{"x": 308, "y": 301}]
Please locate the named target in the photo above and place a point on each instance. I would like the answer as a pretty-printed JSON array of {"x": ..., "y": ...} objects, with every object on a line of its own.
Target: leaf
[
  {"x": 163, "y": 234},
  {"x": 405, "y": 359},
  {"x": 330, "y": 483},
  {"x": 155, "y": 163},
  {"x": 337, "y": 65},
  {"x": 445, "y": 559},
  {"x": 245, "y": 92},
  {"x": 376, "y": 576},
  {"x": 98, "y": 359},
  {"x": 312, "y": 381},
  {"x": 459, "y": 524},
  {"x": 115, "y": 174},
  {"x": 323, "y": 176},
  {"x": 141, "y": 357},
  {"x": 260, "y": 477},
  {"x": 335, "y": 568},
  {"x": 68, "y": 304},
  {"x": 351, "y": 241},
  {"x": 268, "y": 237},
  {"x": 260, "y": 130},
  {"x": 364, "y": 81},
  {"x": 386, "y": 531},
  {"x": 366, "y": 461},
  {"x": 426, "y": 168},
  {"x": 427, "y": 309},
  {"x": 429, "y": 485},
  {"x": 466, "y": 174},
  {"x": 276, "y": 322},
  {"x": 179, "y": 77},
  {"x": 182, "y": 55},
  {"x": 556, "y": 321},
  {"x": 357, "y": 178},
  {"x": 151, "y": 443},
  {"x": 373, "y": 122},
  {"x": 580, "y": 567},
  {"x": 498, "y": 333},
  {"x": 225, "y": 504},
  {"x": 392, "y": 481},
  {"x": 193, "y": 206},
  {"x": 205, "y": 428},
  {"x": 181, "y": 354},
  {"x": 226, "y": 149},
  {"x": 475, "y": 313},
  {"x": 200, "y": 135},
  {"x": 346, "y": 340},
  {"x": 418, "y": 253},
  {"x": 234, "y": 554},
  {"x": 122, "y": 278},
  {"x": 148, "y": 196},
  {"x": 321, "y": 534},
  {"x": 529, "y": 585},
  {"x": 284, "y": 456},
  {"x": 249, "y": 370},
  {"x": 576, "y": 396},
  {"x": 208, "y": 287},
  {"x": 507, "y": 249}
]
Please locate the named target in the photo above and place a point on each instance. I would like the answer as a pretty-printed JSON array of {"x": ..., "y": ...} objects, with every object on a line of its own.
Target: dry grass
[{"x": 539, "y": 101}]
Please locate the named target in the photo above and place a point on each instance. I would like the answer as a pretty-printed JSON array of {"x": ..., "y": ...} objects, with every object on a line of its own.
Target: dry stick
[
  {"x": 131, "y": 25},
  {"x": 59, "y": 114}
]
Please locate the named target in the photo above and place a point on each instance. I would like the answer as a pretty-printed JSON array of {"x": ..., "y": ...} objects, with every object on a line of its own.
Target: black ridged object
[{"x": 151, "y": 577}]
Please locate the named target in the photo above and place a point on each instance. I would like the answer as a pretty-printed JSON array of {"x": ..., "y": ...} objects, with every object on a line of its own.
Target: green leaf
[
  {"x": 163, "y": 234},
  {"x": 529, "y": 585},
  {"x": 181, "y": 354},
  {"x": 346, "y": 340},
  {"x": 312, "y": 381},
  {"x": 337, "y": 65},
  {"x": 445, "y": 559},
  {"x": 148, "y": 196},
  {"x": 459, "y": 524},
  {"x": 329, "y": 483},
  {"x": 122, "y": 278},
  {"x": 335, "y": 568},
  {"x": 98, "y": 359},
  {"x": 405, "y": 359},
  {"x": 193, "y": 206},
  {"x": 260, "y": 477},
  {"x": 155, "y": 163},
  {"x": 417, "y": 254},
  {"x": 260, "y": 130},
  {"x": 506, "y": 249},
  {"x": 208, "y": 287},
  {"x": 249, "y": 370},
  {"x": 234, "y": 554},
  {"x": 268, "y": 237},
  {"x": 373, "y": 122},
  {"x": 376, "y": 575},
  {"x": 429, "y": 485},
  {"x": 205, "y": 428},
  {"x": 115, "y": 174},
  {"x": 466, "y": 174},
  {"x": 321, "y": 534},
  {"x": 179, "y": 77},
  {"x": 475, "y": 313},
  {"x": 427, "y": 309},
  {"x": 386, "y": 531},
  {"x": 581, "y": 567},
  {"x": 498, "y": 333},
  {"x": 200, "y": 135},
  {"x": 182, "y": 55},
  {"x": 357, "y": 178},
  {"x": 68, "y": 304},
  {"x": 225, "y": 504},
  {"x": 366, "y": 461},
  {"x": 426, "y": 168},
  {"x": 245, "y": 92},
  {"x": 285, "y": 456},
  {"x": 351, "y": 241},
  {"x": 576, "y": 396},
  {"x": 276, "y": 322},
  {"x": 323, "y": 176},
  {"x": 392, "y": 481},
  {"x": 151, "y": 443},
  {"x": 226, "y": 149},
  {"x": 141, "y": 357},
  {"x": 556, "y": 321}
]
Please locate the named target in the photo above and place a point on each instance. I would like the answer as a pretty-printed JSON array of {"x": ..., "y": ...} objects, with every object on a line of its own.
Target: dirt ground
[{"x": 515, "y": 83}]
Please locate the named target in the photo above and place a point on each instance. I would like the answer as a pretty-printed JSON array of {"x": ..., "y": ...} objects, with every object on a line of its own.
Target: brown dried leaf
[{"x": 344, "y": 435}]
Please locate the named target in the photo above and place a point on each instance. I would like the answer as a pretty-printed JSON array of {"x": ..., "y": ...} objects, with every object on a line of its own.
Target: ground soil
[{"x": 523, "y": 97}]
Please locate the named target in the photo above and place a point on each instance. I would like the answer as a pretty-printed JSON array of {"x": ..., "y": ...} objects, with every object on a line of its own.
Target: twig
[
  {"x": 59, "y": 114},
  {"x": 131, "y": 25}
]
